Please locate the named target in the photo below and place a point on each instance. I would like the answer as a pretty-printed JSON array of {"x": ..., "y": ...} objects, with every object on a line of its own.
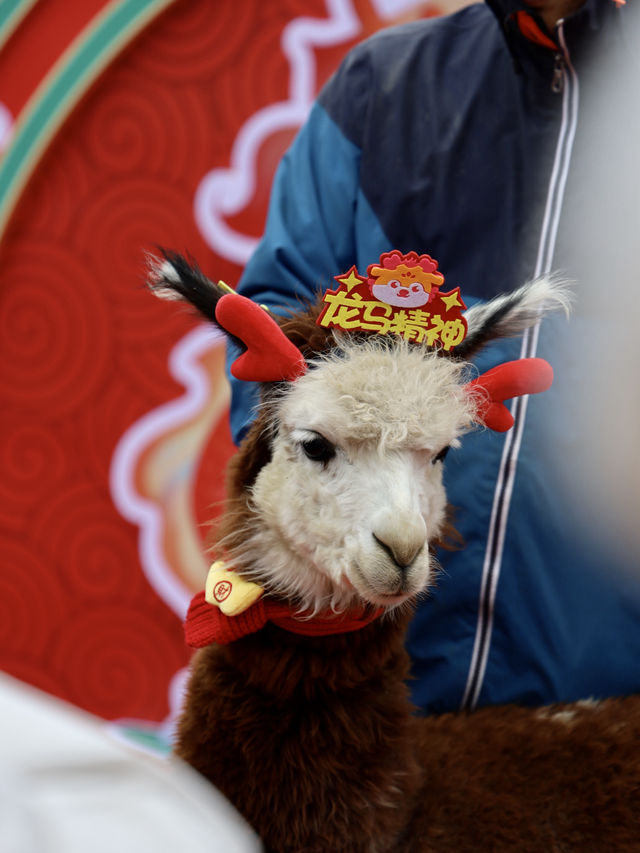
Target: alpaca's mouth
[
  {"x": 390, "y": 600},
  {"x": 372, "y": 593}
]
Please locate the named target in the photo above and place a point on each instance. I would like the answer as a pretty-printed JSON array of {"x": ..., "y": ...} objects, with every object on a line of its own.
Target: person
[{"x": 460, "y": 137}]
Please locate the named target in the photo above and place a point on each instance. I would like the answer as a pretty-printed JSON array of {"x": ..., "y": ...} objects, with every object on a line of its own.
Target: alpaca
[{"x": 297, "y": 707}]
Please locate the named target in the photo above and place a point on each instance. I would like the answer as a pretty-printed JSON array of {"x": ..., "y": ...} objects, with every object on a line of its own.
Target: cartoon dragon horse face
[{"x": 405, "y": 281}]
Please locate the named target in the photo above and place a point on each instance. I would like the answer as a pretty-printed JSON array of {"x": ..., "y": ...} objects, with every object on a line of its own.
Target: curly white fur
[
  {"x": 332, "y": 532},
  {"x": 358, "y": 526}
]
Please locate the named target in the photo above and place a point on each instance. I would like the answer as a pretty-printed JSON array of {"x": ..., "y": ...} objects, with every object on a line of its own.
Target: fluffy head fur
[
  {"x": 337, "y": 495},
  {"x": 356, "y": 525}
]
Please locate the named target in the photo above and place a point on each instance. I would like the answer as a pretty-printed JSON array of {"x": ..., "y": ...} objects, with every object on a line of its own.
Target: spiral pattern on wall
[
  {"x": 54, "y": 339},
  {"x": 84, "y": 347}
]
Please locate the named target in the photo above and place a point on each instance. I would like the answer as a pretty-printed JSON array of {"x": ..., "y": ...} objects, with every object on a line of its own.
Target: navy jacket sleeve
[{"x": 309, "y": 234}]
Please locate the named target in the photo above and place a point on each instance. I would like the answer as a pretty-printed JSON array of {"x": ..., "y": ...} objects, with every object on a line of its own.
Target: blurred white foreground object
[
  {"x": 67, "y": 787},
  {"x": 605, "y": 249}
]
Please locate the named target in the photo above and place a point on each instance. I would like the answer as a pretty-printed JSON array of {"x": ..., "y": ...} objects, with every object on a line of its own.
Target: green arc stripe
[
  {"x": 105, "y": 37},
  {"x": 11, "y": 13}
]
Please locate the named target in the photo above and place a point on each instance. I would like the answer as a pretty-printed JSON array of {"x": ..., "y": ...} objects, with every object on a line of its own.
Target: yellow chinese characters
[{"x": 349, "y": 311}]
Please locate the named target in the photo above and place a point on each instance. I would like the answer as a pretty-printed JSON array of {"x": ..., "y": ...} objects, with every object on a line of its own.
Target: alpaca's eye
[
  {"x": 318, "y": 448},
  {"x": 440, "y": 456}
]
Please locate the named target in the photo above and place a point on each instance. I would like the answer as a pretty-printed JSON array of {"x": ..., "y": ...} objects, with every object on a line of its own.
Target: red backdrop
[{"x": 113, "y": 405}]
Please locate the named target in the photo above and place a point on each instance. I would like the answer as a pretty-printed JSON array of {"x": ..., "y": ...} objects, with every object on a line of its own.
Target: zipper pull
[{"x": 557, "y": 81}]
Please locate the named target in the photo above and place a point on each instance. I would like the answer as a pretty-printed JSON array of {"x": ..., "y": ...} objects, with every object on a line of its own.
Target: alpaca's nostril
[
  {"x": 401, "y": 533},
  {"x": 402, "y": 554}
]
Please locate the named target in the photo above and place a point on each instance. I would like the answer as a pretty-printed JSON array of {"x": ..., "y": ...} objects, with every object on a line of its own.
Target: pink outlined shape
[
  {"x": 220, "y": 194},
  {"x": 224, "y": 192},
  {"x": 6, "y": 126},
  {"x": 146, "y": 514}
]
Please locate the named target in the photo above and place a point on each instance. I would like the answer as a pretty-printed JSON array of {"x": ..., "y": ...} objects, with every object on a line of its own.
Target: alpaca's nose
[{"x": 401, "y": 535}]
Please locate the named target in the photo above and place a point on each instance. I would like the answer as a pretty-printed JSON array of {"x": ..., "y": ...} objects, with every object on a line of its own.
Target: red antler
[
  {"x": 270, "y": 355},
  {"x": 511, "y": 379}
]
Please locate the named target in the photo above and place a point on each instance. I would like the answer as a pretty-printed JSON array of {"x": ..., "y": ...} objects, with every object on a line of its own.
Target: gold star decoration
[
  {"x": 452, "y": 300},
  {"x": 350, "y": 279}
]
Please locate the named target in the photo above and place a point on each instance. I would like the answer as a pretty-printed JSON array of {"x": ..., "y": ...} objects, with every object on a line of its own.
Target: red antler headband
[
  {"x": 507, "y": 380},
  {"x": 270, "y": 355},
  {"x": 377, "y": 304}
]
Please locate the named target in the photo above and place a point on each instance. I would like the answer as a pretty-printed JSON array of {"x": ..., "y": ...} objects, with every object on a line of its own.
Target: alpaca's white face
[
  {"x": 353, "y": 494},
  {"x": 346, "y": 508}
]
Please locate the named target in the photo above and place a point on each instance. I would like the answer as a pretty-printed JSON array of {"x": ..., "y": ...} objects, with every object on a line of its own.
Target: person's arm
[{"x": 309, "y": 233}]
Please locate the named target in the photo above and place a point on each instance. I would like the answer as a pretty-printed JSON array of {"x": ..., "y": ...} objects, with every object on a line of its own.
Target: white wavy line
[
  {"x": 6, "y": 126},
  {"x": 177, "y": 692},
  {"x": 184, "y": 366},
  {"x": 394, "y": 8},
  {"x": 224, "y": 192},
  {"x": 165, "y": 730}
]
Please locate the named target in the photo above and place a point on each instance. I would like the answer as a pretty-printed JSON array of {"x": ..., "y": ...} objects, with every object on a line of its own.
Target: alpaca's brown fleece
[
  {"x": 552, "y": 780},
  {"x": 308, "y": 737},
  {"x": 314, "y": 740}
]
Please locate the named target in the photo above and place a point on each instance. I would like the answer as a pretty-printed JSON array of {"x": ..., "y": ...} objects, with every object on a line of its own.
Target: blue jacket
[{"x": 460, "y": 137}]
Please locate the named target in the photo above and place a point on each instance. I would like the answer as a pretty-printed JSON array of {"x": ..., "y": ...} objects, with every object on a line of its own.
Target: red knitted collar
[{"x": 206, "y": 624}]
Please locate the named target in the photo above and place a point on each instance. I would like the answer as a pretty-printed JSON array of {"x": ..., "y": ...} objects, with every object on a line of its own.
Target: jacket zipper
[
  {"x": 561, "y": 61},
  {"x": 557, "y": 81}
]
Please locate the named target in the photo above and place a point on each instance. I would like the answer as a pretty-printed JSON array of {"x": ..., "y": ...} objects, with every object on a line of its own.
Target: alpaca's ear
[
  {"x": 172, "y": 276},
  {"x": 510, "y": 314},
  {"x": 269, "y": 356}
]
